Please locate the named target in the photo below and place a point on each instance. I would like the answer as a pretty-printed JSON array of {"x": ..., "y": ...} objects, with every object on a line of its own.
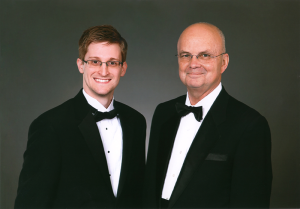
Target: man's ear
[
  {"x": 225, "y": 62},
  {"x": 80, "y": 65},
  {"x": 124, "y": 68}
]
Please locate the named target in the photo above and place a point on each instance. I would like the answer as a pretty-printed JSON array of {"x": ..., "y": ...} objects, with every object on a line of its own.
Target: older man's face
[{"x": 201, "y": 75}]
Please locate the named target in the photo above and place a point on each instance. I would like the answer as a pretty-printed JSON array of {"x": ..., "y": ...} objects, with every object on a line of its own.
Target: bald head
[
  {"x": 201, "y": 59},
  {"x": 204, "y": 30}
]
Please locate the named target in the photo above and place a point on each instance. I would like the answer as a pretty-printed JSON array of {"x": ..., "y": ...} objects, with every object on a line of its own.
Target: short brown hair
[{"x": 101, "y": 33}]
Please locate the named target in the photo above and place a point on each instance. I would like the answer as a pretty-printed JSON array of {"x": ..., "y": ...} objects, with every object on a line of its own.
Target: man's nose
[
  {"x": 103, "y": 70},
  {"x": 195, "y": 62}
]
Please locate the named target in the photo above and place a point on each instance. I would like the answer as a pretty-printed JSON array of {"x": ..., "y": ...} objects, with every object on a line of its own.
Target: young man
[
  {"x": 207, "y": 150},
  {"x": 89, "y": 152}
]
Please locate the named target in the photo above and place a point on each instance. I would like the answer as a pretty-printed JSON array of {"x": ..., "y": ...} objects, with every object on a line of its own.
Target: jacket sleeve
[
  {"x": 41, "y": 168},
  {"x": 252, "y": 170}
]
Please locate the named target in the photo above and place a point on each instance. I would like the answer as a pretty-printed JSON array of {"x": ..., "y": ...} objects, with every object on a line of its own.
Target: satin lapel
[
  {"x": 204, "y": 141},
  {"x": 128, "y": 135},
  {"x": 90, "y": 132},
  {"x": 167, "y": 138}
]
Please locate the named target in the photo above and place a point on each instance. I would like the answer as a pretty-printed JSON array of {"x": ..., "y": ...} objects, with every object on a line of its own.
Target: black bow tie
[
  {"x": 98, "y": 116},
  {"x": 183, "y": 110}
]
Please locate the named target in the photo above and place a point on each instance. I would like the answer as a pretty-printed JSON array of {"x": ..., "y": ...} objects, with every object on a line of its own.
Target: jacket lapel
[
  {"x": 128, "y": 135},
  {"x": 91, "y": 135},
  {"x": 165, "y": 145},
  {"x": 204, "y": 141},
  {"x": 167, "y": 138}
]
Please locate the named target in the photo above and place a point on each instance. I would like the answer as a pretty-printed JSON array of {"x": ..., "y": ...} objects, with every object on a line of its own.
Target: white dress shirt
[
  {"x": 112, "y": 140},
  {"x": 186, "y": 133}
]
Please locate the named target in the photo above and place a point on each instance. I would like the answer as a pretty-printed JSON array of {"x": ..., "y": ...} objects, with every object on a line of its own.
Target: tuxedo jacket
[
  {"x": 228, "y": 163},
  {"x": 65, "y": 165}
]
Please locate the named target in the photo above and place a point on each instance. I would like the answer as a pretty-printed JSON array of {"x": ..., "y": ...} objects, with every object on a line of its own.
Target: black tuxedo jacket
[
  {"x": 228, "y": 164},
  {"x": 65, "y": 164}
]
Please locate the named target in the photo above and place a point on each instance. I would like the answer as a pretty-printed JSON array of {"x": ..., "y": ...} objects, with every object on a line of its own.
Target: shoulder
[
  {"x": 168, "y": 107},
  {"x": 164, "y": 111},
  {"x": 244, "y": 114},
  {"x": 129, "y": 111},
  {"x": 57, "y": 115},
  {"x": 233, "y": 107},
  {"x": 241, "y": 108},
  {"x": 234, "y": 112}
]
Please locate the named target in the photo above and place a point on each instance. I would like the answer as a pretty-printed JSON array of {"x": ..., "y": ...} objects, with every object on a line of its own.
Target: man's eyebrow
[
  {"x": 93, "y": 58},
  {"x": 203, "y": 52},
  {"x": 184, "y": 52},
  {"x": 98, "y": 58}
]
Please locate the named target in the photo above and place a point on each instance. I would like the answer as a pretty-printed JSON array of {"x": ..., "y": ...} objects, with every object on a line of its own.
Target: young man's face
[{"x": 100, "y": 81}]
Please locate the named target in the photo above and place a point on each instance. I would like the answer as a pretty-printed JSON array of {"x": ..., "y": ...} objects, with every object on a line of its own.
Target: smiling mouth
[
  {"x": 195, "y": 74},
  {"x": 198, "y": 73},
  {"x": 102, "y": 80}
]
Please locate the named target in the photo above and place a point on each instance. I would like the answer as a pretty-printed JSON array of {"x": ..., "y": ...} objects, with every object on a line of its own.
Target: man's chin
[
  {"x": 102, "y": 93},
  {"x": 194, "y": 85}
]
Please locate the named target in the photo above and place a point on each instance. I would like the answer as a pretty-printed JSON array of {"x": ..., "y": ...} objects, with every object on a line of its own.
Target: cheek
[
  {"x": 116, "y": 73},
  {"x": 88, "y": 75},
  {"x": 182, "y": 76},
  {"x": 182, "y": 67},
  {"x": 85, "y": 75},
  {"x": 181, "y": 73}
]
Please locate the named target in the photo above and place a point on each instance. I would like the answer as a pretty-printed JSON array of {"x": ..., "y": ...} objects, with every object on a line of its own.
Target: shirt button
[
  {"x": 173, "y": 175},
  {"x": 108, "y": 151},
  {"x": 180, "y": 152},
  {"x": 106, "y": 128}
]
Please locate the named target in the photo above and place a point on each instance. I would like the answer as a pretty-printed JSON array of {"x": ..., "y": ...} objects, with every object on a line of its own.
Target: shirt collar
[
  {"x": 207, "y": 101},
  {"x": 97, "y": 105}
]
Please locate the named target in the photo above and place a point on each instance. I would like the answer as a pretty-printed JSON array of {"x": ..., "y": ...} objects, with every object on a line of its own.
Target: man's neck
[
  {"x": 104, "y": 100},
  {"x": 196, "y": 95}
]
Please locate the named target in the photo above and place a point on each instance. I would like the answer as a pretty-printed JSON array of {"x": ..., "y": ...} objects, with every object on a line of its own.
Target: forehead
[
  {"x": 200, "y": 39},
  {"x": 103, "y": 49}
]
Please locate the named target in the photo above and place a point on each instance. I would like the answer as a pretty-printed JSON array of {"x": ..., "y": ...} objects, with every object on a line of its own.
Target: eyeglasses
[
  {"x": 204, "y": 57},
  {"x": 96, "y": 63}
]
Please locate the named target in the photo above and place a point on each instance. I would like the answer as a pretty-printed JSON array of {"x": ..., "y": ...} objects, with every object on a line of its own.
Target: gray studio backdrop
[{"x": 39, "y": 41}]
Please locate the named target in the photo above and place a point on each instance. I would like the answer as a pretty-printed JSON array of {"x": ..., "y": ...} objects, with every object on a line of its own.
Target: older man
[
  {"x": 89, "y": 151},
  {"x": 207, "y": 150}
]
